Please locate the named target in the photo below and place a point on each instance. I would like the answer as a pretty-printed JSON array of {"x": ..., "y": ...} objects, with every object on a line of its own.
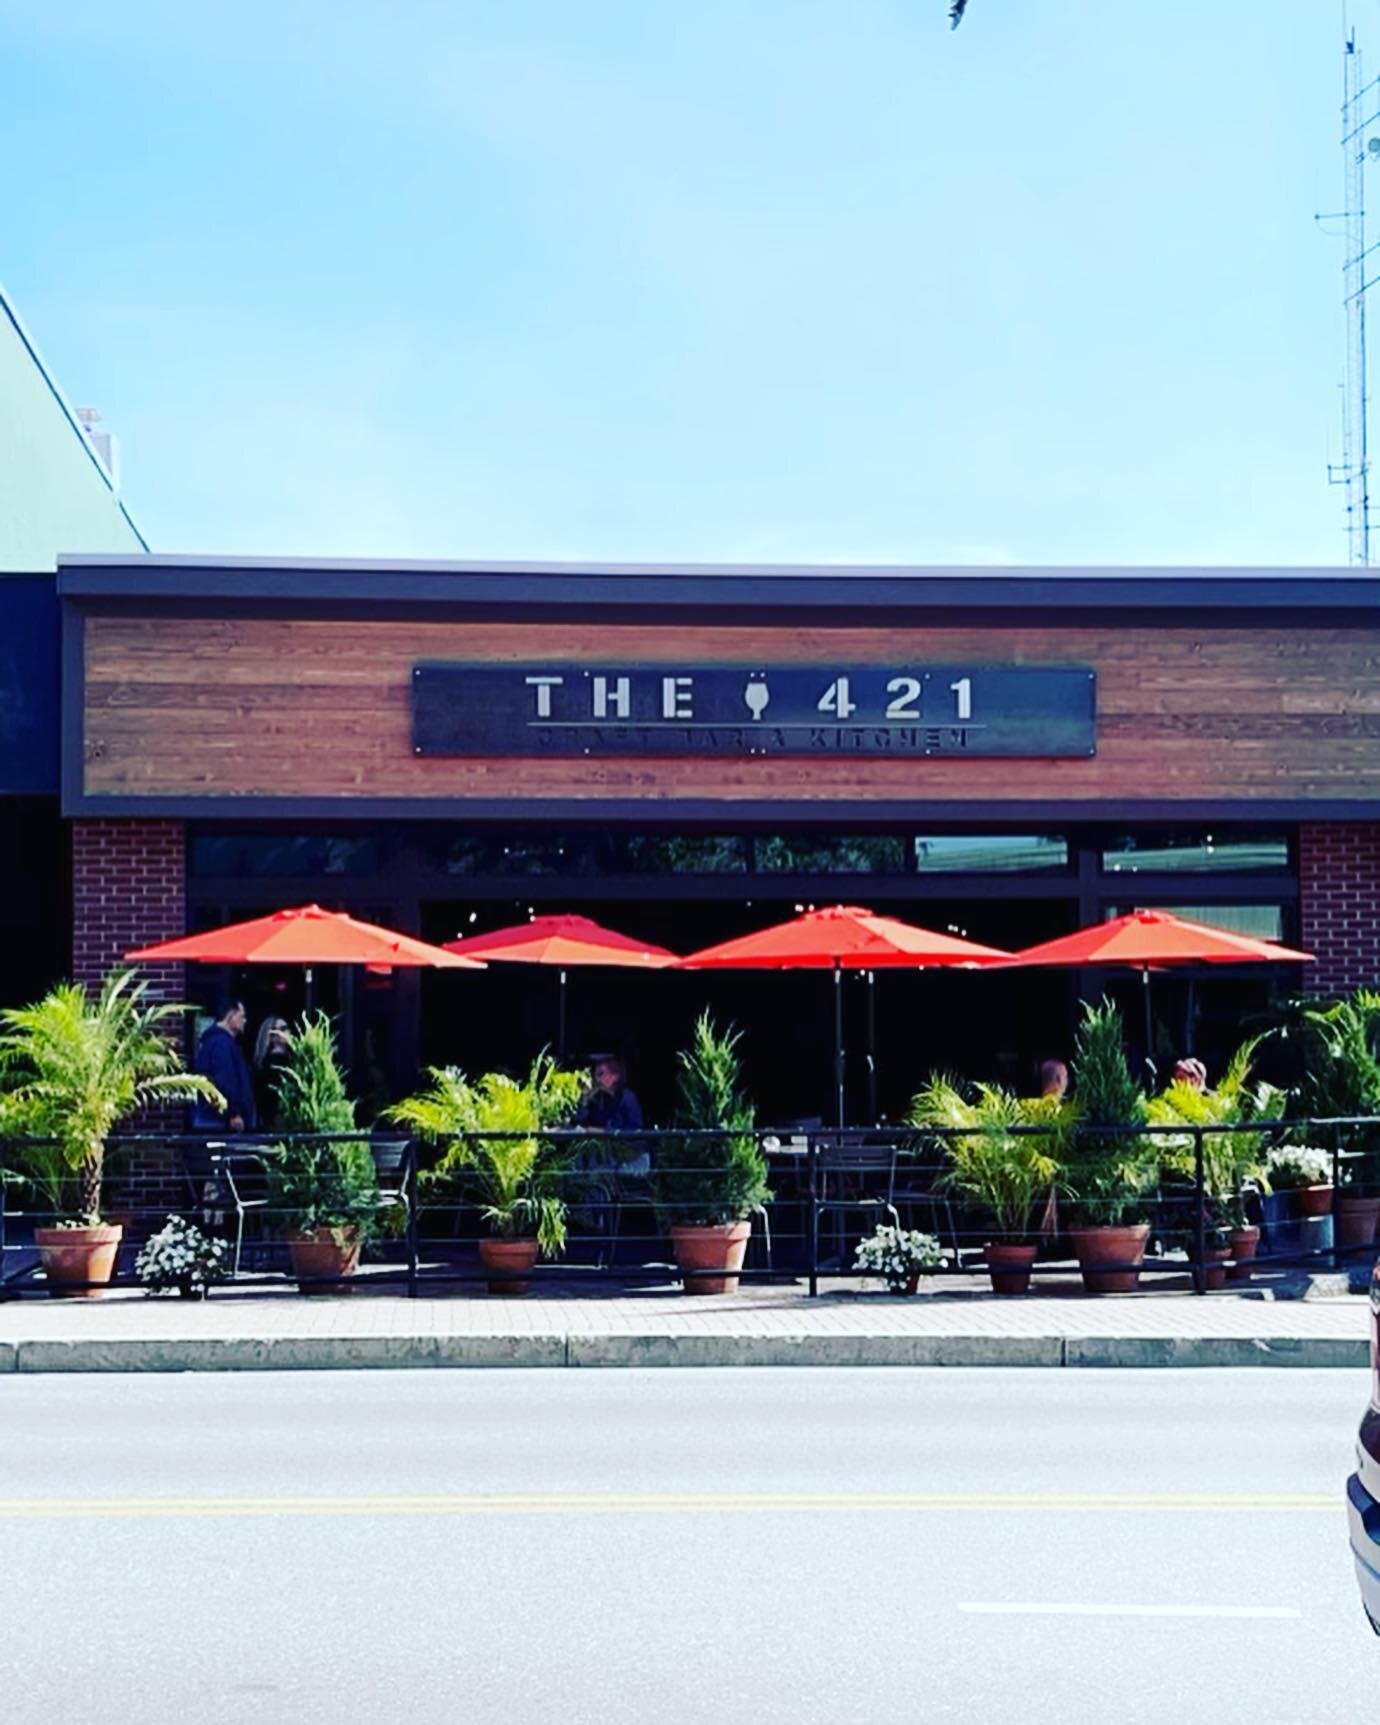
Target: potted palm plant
[
  {"x": 1109, "y": 1171},
  {"x": 73, "y": 1067},
  {"x": 322, "y": 1188},
  {"x": 1003, "y": 1171},
  {"x": 495, "y": 1148},
  {"x": 1234, "y": 1162},
  {"x": 717, "y": 1175}
]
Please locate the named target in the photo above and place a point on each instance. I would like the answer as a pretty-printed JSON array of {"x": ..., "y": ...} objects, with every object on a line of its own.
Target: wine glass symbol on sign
[{"x": 756, "y": 695}]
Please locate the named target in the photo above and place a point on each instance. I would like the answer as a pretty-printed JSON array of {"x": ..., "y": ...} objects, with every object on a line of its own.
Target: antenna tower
[{"x": 1360, "y": 112}]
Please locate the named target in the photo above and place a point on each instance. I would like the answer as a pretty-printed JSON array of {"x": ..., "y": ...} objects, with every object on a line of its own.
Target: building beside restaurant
[
  {"x": 56, "y": 494},
  {"x": 688, "y": 753}
]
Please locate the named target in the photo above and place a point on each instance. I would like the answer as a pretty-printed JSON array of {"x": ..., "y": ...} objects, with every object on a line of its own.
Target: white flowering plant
[
  {"x": 180, "y": 1256},
  {"x": 898, "y": 1254},
  {"x": 1290, "y": 1166}
]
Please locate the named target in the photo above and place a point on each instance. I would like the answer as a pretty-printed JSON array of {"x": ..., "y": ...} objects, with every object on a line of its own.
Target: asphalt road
[{"x": 688, "y": 1546}]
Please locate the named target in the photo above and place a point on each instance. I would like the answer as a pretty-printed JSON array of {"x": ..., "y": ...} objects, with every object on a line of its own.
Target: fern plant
[
  {"x": 331, "y": 1185},
  {"x": 1001, "y": 1170},
  {"x": 73, "y": 1067},
  {"x": 722, "y": 1177},
  {"x": 518, "y": 1179},
  {"x": 1232, "y": 1161},
  {"x": 1110, "y": 1173}
]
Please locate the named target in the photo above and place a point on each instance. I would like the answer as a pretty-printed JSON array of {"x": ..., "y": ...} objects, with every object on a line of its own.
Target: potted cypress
[
  {"x": 519, "y": 1176},
  {"x": 1003, "y": 1172},
  {"x": 323, "y": 1191},
  {"x": 717, "y": 1176},
  {"x": 74, "y": 1067},
  {"x": 1342, "y": 1077},
  {"x": 1109, "y": 1172}
]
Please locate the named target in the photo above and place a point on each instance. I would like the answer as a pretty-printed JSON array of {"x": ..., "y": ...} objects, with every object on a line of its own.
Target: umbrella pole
[
  {"x": 560, "y": 1023},
  {"x": 839, "y": 1056},
  {"x": 1149, "y": 1020},
  {"x": 872, "y": 1047},
  {"x": 309, "y": 992}
]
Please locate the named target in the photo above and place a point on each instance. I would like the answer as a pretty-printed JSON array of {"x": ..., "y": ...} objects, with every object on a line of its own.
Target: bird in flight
[{"x": 956, "y": 12}]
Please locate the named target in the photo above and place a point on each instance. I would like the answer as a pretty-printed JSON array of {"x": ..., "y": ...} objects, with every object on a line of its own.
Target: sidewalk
[{"x": 764, "y": 1325}]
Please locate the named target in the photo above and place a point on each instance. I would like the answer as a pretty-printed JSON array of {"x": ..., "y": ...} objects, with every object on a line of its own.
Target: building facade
[{"x": 689, "y": 752}]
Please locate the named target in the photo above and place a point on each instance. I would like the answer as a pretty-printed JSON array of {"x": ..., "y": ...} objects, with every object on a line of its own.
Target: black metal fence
[{"x": 616, "y": 1199}]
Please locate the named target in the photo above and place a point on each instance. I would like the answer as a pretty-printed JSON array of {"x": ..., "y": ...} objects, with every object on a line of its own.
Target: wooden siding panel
[{"x": 228, "y": 708}]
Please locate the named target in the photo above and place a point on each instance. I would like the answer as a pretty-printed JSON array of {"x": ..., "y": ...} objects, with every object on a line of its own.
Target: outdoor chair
[
  {"x": 855, "y": 1177},
  {"x": 925, "y": 1204},
  {"x": 391, "y": 1172},
  {"x": 220, "y": 1178}
]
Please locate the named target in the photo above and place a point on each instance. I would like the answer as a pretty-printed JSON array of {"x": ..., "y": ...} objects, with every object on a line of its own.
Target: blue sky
[{"x": 703, "y": 279}]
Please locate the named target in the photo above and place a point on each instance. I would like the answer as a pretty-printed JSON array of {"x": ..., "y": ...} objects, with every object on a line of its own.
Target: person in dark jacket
[
  {"x": 608, "y": 1105},
  {"x": 219, "y": 1058},
  {"x": 272, "y": 1052}
]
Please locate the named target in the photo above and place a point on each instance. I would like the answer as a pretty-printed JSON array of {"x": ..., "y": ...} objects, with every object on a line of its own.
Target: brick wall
[
  {"x": 1339, "y": 904},
  {"x": 129, "y": 888}
]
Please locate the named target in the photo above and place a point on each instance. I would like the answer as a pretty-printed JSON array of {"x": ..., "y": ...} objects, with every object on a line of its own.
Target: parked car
[{"x": 1363, "y": 1488}]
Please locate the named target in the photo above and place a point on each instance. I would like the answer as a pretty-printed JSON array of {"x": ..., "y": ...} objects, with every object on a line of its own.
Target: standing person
[
  {"x": 272, "y": 1051},
  {"x": 220, "y": 1058}
]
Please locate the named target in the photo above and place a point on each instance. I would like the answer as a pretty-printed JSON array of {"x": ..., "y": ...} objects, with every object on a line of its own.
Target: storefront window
[
  {"x": 1260, "y": 921},
  {"x": 590, "y": 855},
  {"x": 1197, "y": 851},
  {"x": 986, "y": 853},
  {"x": 783, "y": 854},
  {"x": 301, "y": 856}
]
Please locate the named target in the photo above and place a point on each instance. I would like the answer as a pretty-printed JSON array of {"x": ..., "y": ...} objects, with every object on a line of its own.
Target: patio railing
[{"x": 829, "y": 1188}]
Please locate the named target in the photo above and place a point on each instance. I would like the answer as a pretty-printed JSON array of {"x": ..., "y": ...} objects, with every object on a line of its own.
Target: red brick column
[
  {"x": 1339, "y": 904},
  {"x": 129, "y": 888}
]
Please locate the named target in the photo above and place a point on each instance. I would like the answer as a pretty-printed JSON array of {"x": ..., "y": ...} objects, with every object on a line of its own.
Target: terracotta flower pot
[
  {"x": 321, "y": 1256},
  {"x": 710, "y": 1257},
  {"x": 1099, "y": 1247},
  {"x": 1315, "y": 1200},
  {"x": 1355, "y": 1222},
  {"x": 1009, "y": 1266},
  {"x": 1215, "y": 1269},
  {"x": 1243, "y": 1247},
  {"x": 512, "y": 1260},
  {"x": 72, "y": 1256}
]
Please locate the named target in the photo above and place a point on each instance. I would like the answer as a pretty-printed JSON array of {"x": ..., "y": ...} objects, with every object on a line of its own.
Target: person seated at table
[
  {"x": 608, "y": 1105},
  {"x": 1191, "y": 1071},
  {"x": 1054, "y": 1079}
]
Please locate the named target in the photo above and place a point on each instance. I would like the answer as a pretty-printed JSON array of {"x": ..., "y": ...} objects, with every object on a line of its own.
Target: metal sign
[{"x": 924, "y": 710}]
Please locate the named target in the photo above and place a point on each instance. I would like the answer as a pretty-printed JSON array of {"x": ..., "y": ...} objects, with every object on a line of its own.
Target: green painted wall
[{"x": 54, "y": 495}]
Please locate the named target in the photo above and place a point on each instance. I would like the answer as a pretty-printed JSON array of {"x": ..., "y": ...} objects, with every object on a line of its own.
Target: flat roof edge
[{"x": 838, "y": 587}]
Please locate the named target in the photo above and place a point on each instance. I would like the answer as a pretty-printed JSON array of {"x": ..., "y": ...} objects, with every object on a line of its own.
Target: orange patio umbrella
[
  {"x": 839, "y": 938},
  {"x": 307, "y": 936},
  {"x": 563, "y": 940},
  {"x": 1147, "y": 940}
]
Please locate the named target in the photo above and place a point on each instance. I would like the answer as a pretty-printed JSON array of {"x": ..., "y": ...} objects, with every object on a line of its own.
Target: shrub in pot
[
  {"x": 1304, "y": 1173},
  {"x": 1003, "y": 1171},
  {"x": 518, "y": 1178},
  {"x": 74, "y": 1067},
  {"x": 709, "y": 1182},
  {"x": 1109, "y": 1173},
  {"x": 323, "y": 1190}
]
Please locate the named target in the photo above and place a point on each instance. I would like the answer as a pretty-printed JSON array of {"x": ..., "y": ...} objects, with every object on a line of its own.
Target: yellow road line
[{"x": 689, "y": 1503}]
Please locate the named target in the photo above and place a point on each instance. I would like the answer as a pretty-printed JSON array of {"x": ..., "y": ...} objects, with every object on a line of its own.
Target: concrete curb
[{"x": 556, "y": 1349}]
